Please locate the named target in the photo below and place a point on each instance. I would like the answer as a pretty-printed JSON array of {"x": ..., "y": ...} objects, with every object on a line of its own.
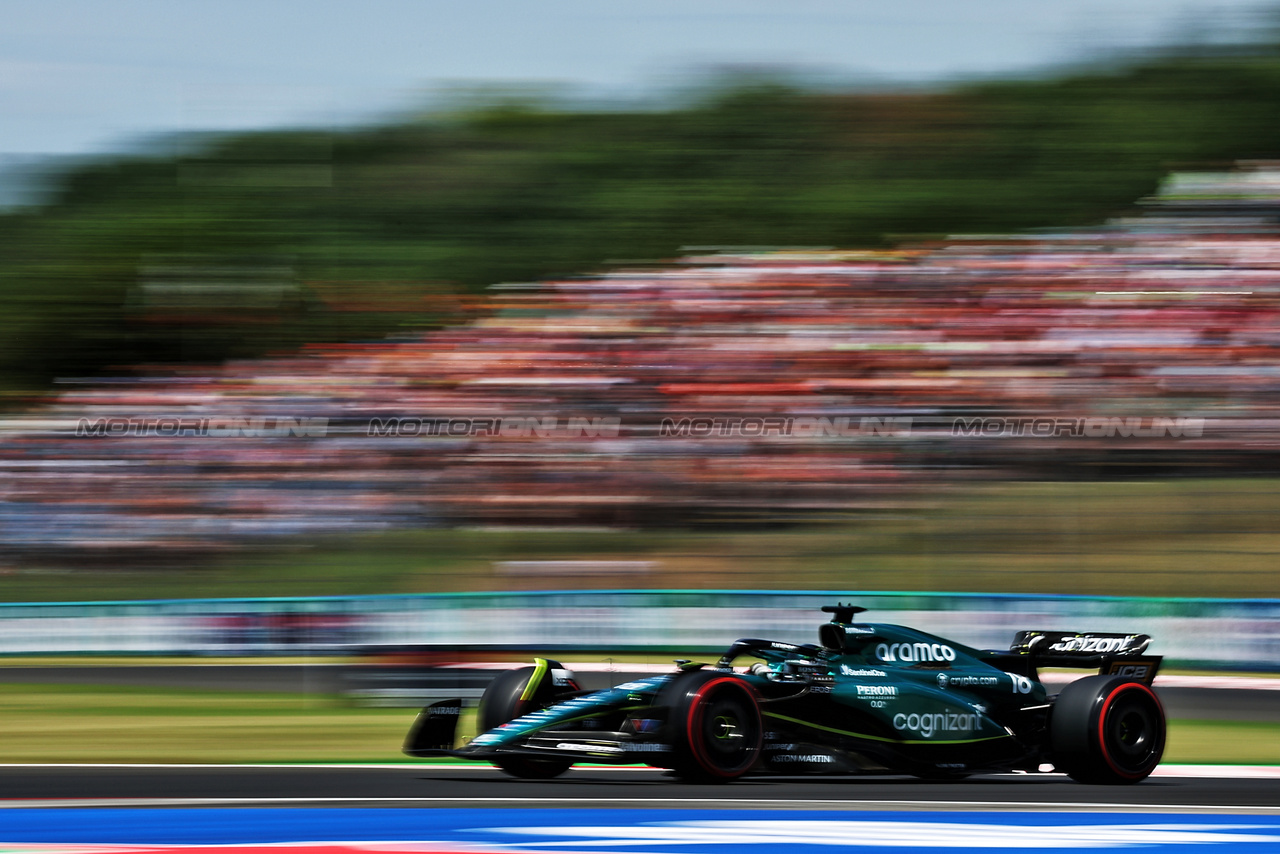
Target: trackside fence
[{"x": 1217, "y": 634}]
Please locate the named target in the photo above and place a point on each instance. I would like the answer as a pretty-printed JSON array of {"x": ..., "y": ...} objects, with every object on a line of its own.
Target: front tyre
[
  {"x": 507, "y": 698},
  {"x": 1106, "y": 729},
  {"x": 716, "y": 727}
]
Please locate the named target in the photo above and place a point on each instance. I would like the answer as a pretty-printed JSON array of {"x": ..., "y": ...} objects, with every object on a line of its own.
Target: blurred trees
[{"x": 264, "y": 241}]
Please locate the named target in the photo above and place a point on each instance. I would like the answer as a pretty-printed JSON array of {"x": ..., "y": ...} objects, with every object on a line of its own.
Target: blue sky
[{"x": 83, "y": 76}]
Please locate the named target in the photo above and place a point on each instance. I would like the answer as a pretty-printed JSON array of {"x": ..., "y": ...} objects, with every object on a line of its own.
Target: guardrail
[{"x": 1219, "y": 634}]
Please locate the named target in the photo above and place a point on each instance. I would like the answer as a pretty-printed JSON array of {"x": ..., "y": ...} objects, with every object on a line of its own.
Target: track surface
[{"x": 453, "y": 786}]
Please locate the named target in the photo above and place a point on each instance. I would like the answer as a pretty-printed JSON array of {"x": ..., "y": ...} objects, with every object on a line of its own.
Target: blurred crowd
[{"x": 726, "y": 387}]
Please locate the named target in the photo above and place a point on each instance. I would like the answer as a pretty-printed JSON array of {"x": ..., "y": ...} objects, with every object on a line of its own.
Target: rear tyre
[
  {"x": 1108, "y": 730},
  {"x": 716, "y": 728},
  {"x": 504, "y": 700}
]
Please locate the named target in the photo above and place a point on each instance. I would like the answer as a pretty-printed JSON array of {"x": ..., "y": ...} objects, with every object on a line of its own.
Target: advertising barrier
[{"x": 1218, "y": 634}]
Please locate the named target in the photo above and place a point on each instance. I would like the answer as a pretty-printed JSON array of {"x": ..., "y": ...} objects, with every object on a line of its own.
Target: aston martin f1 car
[{"x": 868, "y": 698}]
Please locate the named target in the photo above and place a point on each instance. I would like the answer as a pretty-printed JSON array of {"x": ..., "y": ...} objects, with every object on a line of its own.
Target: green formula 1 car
[{"x": 869, "y": 698}]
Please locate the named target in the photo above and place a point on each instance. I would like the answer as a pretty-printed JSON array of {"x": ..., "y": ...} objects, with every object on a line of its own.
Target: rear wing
[{"x": 1112, "y": 654}]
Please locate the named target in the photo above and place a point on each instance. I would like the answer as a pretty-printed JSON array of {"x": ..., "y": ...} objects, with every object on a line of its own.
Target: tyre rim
[
  {"x": 1133, "y": 732},
  {"x": 726, "y": 726},
  {"x": 727, "y": 731}
]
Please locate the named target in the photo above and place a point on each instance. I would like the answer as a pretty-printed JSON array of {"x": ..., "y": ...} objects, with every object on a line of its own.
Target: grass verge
[
  {"x": 74, "y": 723},
  {"x": 1223, "y": 742}
]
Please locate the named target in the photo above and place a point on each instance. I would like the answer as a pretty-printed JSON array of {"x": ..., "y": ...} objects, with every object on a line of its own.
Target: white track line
[
  {"x": 1219, "y": 772},
  {"x": 847, "y": 805}
]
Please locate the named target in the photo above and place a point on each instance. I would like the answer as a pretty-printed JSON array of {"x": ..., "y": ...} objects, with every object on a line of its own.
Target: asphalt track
[{"x": 600, "y": 787}]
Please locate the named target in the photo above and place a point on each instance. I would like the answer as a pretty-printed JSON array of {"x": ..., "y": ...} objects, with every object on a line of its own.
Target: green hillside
[{"x": 259, "y": 242}]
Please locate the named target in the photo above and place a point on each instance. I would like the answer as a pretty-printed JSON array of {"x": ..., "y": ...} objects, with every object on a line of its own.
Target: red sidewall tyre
[
  {"x": 716, "y": 725},
  {"x": 1131, "y": 731},
  {"x": 1107, "y": 729}
]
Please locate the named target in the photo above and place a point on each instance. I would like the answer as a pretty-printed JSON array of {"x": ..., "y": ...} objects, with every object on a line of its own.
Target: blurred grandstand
[{"x": 725, "y": 387}]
